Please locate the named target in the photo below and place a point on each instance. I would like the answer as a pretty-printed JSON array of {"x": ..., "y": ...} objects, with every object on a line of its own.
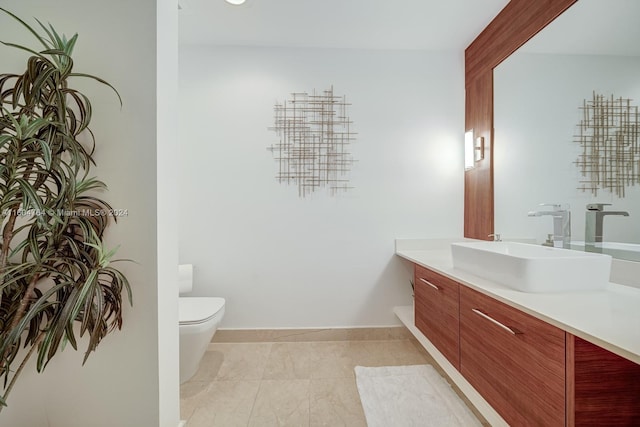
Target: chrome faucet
[
  {"x": 561, "y": 224},
  {"x": 593, "y": 221}
]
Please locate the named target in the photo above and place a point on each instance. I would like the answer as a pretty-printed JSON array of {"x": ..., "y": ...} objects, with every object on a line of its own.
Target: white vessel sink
[{"x": 533, "y": 268}]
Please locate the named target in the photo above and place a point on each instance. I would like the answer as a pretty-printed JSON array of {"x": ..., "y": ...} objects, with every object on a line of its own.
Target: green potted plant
[{"x": 56, "y": 277}]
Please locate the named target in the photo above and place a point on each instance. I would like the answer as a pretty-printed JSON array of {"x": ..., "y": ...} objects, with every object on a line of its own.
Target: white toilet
[{"x": 199, "y": 319}]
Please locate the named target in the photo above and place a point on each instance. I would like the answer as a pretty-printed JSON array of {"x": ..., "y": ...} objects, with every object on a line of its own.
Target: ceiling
[
  {"x": 592, "y": 27},
  {"x": 354, "y": 24}
]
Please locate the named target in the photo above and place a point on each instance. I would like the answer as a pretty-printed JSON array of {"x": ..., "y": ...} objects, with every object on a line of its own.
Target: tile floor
[{"x": 287, "y": 383}]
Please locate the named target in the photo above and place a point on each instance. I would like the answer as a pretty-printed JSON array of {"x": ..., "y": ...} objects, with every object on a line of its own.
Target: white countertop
[{"x": 609, "y": 318}]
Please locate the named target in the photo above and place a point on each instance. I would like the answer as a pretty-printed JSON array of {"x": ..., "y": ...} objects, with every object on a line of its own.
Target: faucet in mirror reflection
[
  {"x": 593, "y": 231},
  {"x": 561, "y": 223}
]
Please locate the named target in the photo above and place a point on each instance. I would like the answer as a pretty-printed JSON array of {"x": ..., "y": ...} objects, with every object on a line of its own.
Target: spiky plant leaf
[{"x": 57, "y": 277}]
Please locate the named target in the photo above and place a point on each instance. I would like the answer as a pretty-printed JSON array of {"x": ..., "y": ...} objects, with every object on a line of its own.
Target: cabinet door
[
  {"x": 603, "y": 389},
  {"x": 514, "y": 360},
  {"x": 437, "y": 311}
]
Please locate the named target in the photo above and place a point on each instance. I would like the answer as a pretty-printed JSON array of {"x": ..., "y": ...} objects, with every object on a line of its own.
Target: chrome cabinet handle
[
  {"x": 425, "y": 281},
  {"x": 495, "y": 322}
]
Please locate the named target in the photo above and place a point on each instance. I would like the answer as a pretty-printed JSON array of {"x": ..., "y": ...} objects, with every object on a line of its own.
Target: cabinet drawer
[
  {"x": 514, "y": 360},
  {"x": 437, "y": 311}
]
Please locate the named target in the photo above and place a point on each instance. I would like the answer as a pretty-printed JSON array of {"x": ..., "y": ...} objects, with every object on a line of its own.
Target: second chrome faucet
[
  {"x": 561, "y": 223},
  {"x": 593, "y": 222}
]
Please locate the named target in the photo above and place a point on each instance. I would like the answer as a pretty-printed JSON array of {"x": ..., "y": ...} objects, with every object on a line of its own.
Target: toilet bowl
[{"x": 199, "y": 319}]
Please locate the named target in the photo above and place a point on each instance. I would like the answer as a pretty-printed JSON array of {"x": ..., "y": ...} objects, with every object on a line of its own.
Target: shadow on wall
[{"x": 392, "y": 288}]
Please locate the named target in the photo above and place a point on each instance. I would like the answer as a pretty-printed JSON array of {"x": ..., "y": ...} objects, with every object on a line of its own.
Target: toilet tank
[{"x": 185, "y": 278}]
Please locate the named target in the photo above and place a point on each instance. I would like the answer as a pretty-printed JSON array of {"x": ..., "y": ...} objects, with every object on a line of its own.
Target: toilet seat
[{"x": 197, "y": 310}]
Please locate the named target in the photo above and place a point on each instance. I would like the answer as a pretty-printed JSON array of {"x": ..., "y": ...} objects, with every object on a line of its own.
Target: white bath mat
[{"x": 403, "y": 396}]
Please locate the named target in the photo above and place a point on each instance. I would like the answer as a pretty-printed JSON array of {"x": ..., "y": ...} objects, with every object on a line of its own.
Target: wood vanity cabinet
[
  {"x": 514, "y": 360},
  {"x": 530, "y": 372},
  {"x": 603, "y": 389},
  {"x": 437, "y": 311}
]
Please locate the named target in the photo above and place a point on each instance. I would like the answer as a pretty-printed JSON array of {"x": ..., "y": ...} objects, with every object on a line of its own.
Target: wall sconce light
[
  {"x": 473, "y": 150},
  {"x": 468, "y": 150}
]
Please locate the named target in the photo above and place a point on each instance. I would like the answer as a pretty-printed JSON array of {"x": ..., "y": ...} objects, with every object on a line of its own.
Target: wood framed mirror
[{"x": 511, "y": 28}]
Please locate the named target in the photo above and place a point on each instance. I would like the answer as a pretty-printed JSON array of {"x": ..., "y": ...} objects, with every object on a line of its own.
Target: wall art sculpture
[
  {"x": 315, "y": 134},
  {"x": 609, "y": 136}
]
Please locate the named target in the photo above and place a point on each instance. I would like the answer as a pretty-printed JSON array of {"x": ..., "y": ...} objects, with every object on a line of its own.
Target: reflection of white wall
[
  {"x": 282, "y": 261},
  {"x": 537, "y": 100}
]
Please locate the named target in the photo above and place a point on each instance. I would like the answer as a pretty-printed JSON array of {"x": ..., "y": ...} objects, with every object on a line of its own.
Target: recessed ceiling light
[{"x": 235, "y": 2}]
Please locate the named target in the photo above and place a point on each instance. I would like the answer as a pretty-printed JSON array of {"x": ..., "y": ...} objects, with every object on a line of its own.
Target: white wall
[
  {"x": 537, "y": 100},
  {"x": 167, "y": 214},
  {"x": 282, "y": 261},
  {"x": 119, "y": 385}
]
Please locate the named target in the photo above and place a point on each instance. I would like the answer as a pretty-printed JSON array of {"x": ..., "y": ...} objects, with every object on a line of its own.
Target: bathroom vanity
[{"x": 553, "y": 358}]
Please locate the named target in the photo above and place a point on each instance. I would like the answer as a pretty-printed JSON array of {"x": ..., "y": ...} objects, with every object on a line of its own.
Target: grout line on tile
[{"x": 253, "y": 405}]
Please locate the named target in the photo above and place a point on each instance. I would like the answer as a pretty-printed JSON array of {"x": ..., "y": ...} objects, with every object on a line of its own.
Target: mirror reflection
[{"x": 540, "y": 95}]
